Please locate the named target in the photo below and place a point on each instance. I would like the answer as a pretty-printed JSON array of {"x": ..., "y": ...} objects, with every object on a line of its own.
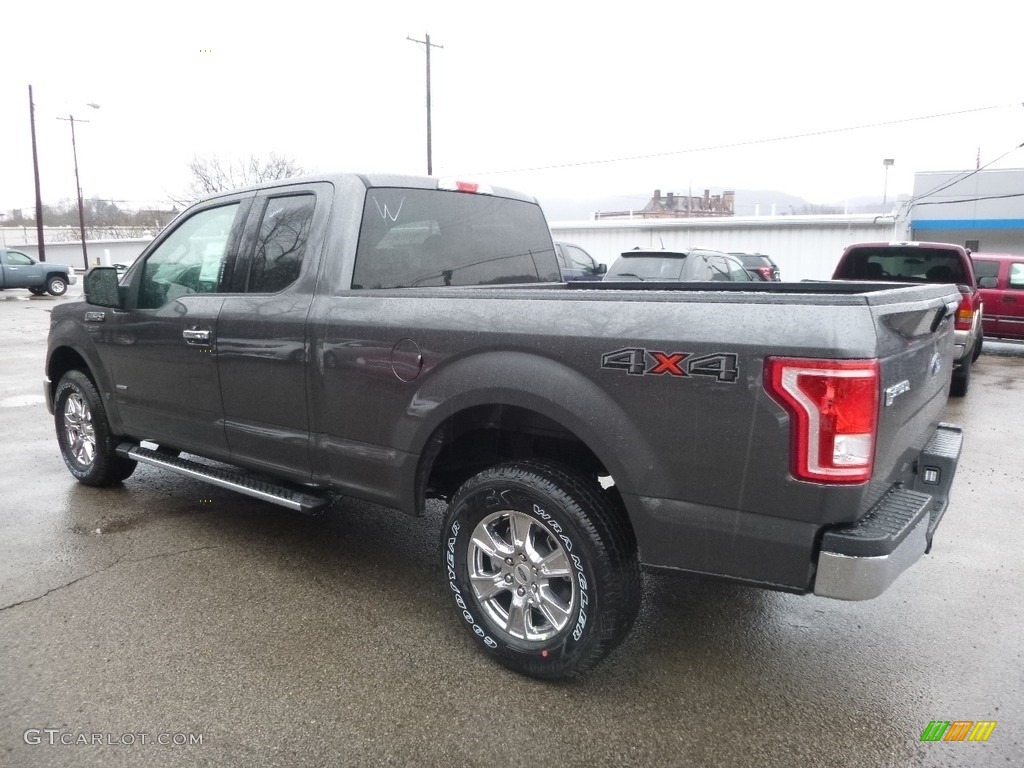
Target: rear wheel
[
  {"x": 961, "y": 380},
  {"x": 543, "y": 567},
  {"x": 86, "y": 443}
]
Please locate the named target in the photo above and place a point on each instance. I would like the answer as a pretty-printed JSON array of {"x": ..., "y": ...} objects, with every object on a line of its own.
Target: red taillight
[
  {"x": 833, "y": 409},
  {"x": 765, "y": 273},
  {"x": 965, "y": 313}
]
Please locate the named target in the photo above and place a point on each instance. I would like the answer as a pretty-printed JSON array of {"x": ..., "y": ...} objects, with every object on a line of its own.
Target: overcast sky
[{"x": 558, "y": 99}]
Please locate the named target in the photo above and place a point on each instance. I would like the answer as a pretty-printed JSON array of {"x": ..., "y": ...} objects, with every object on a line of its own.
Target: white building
[{"x": 983, "y": 210}]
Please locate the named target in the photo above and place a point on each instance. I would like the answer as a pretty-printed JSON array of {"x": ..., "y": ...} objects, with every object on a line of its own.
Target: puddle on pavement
[{"x": 103, "y": 527}]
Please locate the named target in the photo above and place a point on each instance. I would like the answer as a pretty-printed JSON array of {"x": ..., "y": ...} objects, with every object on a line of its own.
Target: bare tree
[{"x": 212, "y": 174}]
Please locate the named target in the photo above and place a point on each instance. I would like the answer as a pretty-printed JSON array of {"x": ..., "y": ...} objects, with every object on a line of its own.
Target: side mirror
[
  {"x": 988, "y": 282},
  {"x": 101, "y": 287},
  {"x": 601, "y": 269}
]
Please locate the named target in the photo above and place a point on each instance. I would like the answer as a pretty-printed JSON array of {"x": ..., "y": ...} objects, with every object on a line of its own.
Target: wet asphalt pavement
[{"x": 144, "y": 619}]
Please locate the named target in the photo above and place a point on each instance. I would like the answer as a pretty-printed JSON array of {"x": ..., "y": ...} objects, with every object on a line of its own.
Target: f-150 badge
[{"x": 637, "y": 361}]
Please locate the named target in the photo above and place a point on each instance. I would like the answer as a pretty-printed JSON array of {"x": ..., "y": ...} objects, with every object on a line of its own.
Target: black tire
[
  {"x": 83, "y": 433},
  {"x": 56, "y": 285},
  {"x": 961, "y": 380},
  {"x": 977, "y": 348},
  {"x": 37, "y": 291},
  {"x": 571, "y": 568}
]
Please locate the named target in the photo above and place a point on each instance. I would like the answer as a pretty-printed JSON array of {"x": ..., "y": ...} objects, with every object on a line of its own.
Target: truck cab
[{"x": 19, "y": 270}]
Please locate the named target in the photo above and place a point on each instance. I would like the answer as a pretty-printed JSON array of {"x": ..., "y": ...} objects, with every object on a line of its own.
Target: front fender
[{"x": 70, "y": 345}]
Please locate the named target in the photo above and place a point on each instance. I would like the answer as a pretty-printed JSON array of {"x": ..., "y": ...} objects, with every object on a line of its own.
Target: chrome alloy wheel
[
  {"x": 79, "y": 429},
  {"x": 521, "y": 576}
]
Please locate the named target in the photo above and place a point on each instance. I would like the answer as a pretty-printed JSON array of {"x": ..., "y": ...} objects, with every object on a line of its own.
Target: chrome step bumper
[{"x": 860, "y": 561}]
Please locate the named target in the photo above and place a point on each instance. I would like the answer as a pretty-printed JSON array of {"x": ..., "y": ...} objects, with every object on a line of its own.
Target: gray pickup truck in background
[
  {"x": 19, "y": 270},
  {"x": 397, "y": 339}
]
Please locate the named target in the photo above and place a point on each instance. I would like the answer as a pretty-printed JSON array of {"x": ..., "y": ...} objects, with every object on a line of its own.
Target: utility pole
[
  {"x": 428, "y": 45},
  {"x": 35, "y": 170},
  {"x": 78, "y": 186}
]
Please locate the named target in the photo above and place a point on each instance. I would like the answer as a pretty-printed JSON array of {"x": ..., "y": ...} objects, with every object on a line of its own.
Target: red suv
[
  {"x": 911, "y": 262},
  {"x": 1001, "y": 285}
]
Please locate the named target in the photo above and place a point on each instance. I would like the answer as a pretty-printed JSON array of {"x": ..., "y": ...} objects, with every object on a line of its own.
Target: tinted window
[
  {"x": 18, "y": 259},
  {"x": 191, "y": 260},
  {"x": 281, "y": 244},
  {"x": 931, "y": 265},
  {"x": 647, "y": 268},
  {"x": 413, "y": 238},
  {"x": 737, "y": 271}
]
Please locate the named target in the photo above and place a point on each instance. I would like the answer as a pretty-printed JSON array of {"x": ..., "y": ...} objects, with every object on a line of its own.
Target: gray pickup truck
[
  {"x": 19, "y": 270},
  {"x": 397, "y": 339}
]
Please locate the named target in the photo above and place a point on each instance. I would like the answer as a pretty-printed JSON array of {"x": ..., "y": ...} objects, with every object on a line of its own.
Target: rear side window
[
  {"x": 986, "y": 268},
  {"x": 923, "y": 265},
  {"x": 413, "y": 238},
  {"x": 281, "y": 244}
]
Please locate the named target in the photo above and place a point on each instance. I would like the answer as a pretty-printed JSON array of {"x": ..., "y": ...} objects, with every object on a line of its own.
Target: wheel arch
[
  {"x": 501, "y": 406},
  {"x": 65, "y": 357}
]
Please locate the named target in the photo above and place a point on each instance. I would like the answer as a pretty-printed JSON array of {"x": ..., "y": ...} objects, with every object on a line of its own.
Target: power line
[{"x": 749, "y": 143}]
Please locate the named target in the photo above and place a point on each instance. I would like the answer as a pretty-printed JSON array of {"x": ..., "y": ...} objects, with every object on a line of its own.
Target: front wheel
[
  {"x": 56, "y": 285},
  {"x": 86, "y": 443},
  {"x": 543, "y": 568}
]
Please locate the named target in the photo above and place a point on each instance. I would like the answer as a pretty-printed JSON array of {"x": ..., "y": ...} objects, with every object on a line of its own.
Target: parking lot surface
[{"x": 168, "y": 622}]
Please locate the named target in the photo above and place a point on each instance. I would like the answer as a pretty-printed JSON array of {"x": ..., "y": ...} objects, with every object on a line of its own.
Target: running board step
[{"x": 300, "y": 501}]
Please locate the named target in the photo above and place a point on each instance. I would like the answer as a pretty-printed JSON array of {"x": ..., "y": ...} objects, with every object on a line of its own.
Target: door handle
[{"x": 198, "y": 338}]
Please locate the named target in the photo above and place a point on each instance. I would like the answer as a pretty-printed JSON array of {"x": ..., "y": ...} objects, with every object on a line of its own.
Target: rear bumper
[{"x": 860, "y": 561}]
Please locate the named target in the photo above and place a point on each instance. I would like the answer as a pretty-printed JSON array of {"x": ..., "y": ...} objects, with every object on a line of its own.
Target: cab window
[
  {"x": 281, "y": 245},
  {"x": 191, "y": 260},
  {"x": 19, "y": 259}
]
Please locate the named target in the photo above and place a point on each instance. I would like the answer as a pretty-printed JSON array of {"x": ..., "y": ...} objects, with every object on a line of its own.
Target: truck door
[
  {"x": 262, "y": 343},
  {"x": 1011, "y": 302},
  {"x": 21, "y": 271},
  {"x": 162, "y": 348}
]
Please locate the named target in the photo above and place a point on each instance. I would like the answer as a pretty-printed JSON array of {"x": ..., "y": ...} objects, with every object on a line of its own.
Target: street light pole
[
  {"x": 35, "y": 171},
  {"x": 885, "y": 190},
  {"x": 78, "y": 184}
]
